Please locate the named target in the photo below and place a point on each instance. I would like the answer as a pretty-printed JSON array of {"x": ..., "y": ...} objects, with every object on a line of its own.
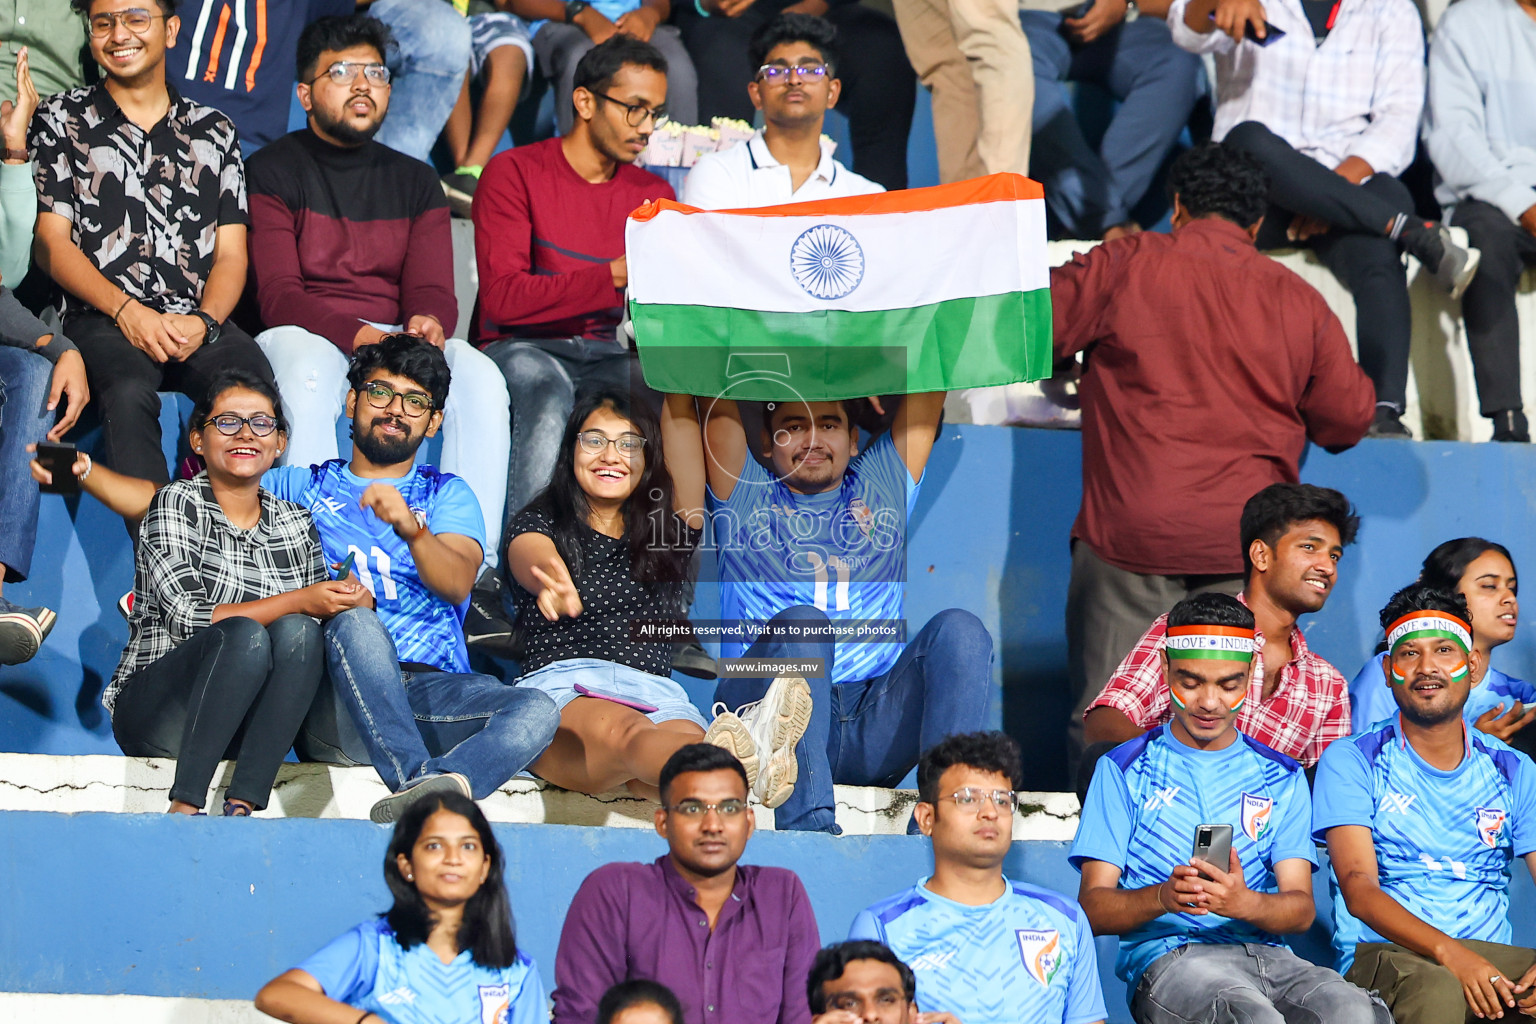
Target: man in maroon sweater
[
  {"x": 350, "y": 241},
  {"x": 549, "y": 240},
  {"x": 1207, "y": 368}
]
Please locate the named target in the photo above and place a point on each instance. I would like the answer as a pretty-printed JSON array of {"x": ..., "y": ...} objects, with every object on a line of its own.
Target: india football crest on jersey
[
  {"x": 1041, "y": 950},
  {"x": 1256, "y": 816},
  {"x": 495, "y": 1001},
  {"x": 1490, "y": 823}
]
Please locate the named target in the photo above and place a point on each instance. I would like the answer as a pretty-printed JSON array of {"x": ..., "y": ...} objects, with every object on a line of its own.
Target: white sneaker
[
  {"x": 730, "y": 733},
  {"x": 777, "y": 722}
]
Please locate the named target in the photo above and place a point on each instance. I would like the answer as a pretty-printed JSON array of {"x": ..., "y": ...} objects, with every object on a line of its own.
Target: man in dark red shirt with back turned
[
  {"x": 549, "y": 241},
  {"x": 1207, "y": 367}
]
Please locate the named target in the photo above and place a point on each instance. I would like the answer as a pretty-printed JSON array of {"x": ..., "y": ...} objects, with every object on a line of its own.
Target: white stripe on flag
[{"x": 908, "y": 259}]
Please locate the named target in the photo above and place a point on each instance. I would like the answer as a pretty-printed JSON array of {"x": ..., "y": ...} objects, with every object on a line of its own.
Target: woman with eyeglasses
[
  {"x": 223, "y": 654},
  {"x": 445, "y": 951},
  {"x": 603, "y": 551}
]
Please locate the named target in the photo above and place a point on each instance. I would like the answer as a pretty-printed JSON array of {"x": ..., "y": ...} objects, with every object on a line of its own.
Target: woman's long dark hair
[
  {"x": 486, "y": 930},
  {"x": 659, "y": 541},
  {"x": 1445, "y": 566}
]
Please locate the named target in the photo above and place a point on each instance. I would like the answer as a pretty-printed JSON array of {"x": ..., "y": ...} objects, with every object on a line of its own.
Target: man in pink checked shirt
[{"x": 1293, "y": 536}]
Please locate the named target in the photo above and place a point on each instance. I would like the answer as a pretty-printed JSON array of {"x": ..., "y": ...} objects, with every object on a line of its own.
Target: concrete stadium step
[
  {"x": 138, "y": 785},
  {"x": 42, "y": 1008}
]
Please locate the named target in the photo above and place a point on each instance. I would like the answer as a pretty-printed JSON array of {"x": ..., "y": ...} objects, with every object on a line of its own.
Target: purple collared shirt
[{"x": 643, "y": 921}]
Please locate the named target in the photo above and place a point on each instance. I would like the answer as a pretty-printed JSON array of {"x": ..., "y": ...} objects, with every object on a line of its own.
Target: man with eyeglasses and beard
[
  {"x": 142, "y": 223},
  {"x": 1423, "y": 819},
  {"x": 1195, "y": 847},
  {"x": 985, "y": 948},
  {"x": 350, "y": 241},
  {"x": 734, "y": 942},
  {"x": 414, "y": 537}
]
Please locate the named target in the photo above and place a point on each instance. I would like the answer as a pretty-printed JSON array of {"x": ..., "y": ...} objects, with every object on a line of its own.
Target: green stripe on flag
[
  {"x": 826, "y": 356},
  {"x": 1209, "y": 655}
]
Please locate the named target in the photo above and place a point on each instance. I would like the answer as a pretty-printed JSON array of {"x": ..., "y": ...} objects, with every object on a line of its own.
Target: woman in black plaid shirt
[{"x": 224, "y": 651}]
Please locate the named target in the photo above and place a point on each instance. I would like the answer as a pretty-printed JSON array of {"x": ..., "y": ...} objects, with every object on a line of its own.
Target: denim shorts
[
  {"x": 493, "y": 30},
  {"x": 609, "y": 679}
]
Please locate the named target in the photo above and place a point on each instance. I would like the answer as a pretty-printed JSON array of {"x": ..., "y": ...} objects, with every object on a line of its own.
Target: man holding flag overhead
[{"x": 805, "y": 307}]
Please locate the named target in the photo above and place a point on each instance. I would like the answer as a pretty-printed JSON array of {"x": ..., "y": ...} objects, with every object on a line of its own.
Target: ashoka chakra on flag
[{"x": 928, "y": 289}]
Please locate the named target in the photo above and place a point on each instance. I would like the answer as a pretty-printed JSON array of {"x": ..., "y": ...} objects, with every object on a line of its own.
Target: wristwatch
[
  {"x": 573, "y": 8},
  {"x": 1132, "y": 12},
  {"x": 213, "y": 326}
]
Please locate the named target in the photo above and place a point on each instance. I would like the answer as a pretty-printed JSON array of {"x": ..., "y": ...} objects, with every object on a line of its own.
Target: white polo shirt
[{"x": 747, "y": 175}]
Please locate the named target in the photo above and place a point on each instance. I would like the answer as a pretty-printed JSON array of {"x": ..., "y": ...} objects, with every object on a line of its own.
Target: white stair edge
[
  {"x": 37, "y": 1008},
  {"x": 74, "y": 784}
]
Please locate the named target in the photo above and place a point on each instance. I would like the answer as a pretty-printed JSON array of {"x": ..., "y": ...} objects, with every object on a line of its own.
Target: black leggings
[
  {"x": 1357, "y": 248},
  {"x": 879, "y": 85},
  {"x": 235, "y": 689}
]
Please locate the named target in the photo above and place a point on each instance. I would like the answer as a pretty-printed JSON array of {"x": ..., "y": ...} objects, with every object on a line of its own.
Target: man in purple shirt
[{"x": 734, "y": 943}]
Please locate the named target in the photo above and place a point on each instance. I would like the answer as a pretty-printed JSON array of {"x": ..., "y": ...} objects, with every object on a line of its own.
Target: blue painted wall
[
  {"x": 989, "y": 534},
  {"x": 213, "y": 908}
]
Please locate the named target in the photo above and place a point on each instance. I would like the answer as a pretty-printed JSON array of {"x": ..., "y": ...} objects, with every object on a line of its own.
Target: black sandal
[{"x": 233, "y": 809}]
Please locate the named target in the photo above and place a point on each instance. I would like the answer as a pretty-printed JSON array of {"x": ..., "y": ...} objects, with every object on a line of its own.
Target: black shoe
[
  {"x": 22, "y": 631},
  {"x": 487, "y": 627},
  {"x": 1510, "y": 425},
  {"x": 1431, "y": 244},
  {"x": 691, "y": 659},
  {"x": 460, "y": 190},
  {"x": 1388, "y": 423}
]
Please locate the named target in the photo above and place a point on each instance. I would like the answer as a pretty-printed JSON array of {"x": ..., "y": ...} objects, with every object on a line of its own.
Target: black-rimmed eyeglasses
[{"x": 636, "y": 113}]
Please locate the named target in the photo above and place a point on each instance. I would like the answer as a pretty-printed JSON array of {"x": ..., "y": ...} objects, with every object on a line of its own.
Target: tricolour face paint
[{"x": 1428, "y": 625}]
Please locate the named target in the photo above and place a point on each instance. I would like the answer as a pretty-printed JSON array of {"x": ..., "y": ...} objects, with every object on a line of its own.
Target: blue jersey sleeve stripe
[
  {"x": 1130, "y": 750},
  {"x": 1288, "y": 763},
  {"x": 1067, "y": 908},
  {"x": 1370, "y": 743},
  {"x": 890, "y": 914},
  {"x": 1503, "y": 758}
]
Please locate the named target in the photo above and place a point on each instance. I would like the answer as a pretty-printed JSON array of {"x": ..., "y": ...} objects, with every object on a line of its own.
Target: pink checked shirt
[{"x": 1307, "y": 711}]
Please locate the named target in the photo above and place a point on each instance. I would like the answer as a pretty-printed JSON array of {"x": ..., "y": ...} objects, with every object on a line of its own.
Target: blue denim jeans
[
  {"x": 1157, "y": 85},
  {"x": 424, "y": 723},
  {"x": 870, "y": 732},
  {"x": 429, "y": 58},
  {"x": 1248, "y": 984},
  {"x": 24, "y": 419},
  {"x": 544, "y": 378}
]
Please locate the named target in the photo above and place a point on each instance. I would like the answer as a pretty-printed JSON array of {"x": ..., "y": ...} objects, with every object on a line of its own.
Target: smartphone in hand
[
  {"x": 58, "y": 459},
  {"x": 1213, "y": 844}
]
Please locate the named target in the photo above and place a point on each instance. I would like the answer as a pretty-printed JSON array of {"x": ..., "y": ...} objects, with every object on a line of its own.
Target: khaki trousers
[
  {"x": 1420, "y": 991},
  {"x": 973, "y": 56}
]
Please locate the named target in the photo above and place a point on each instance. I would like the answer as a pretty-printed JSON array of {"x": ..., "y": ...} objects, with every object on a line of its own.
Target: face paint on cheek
[
  {"x": 1459, "y": 672},
  {"x": 1238, "y": 705},
  {"x": 1173, "y": 695}
]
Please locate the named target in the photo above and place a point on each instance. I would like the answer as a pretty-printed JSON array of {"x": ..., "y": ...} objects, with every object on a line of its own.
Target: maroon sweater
[
  {"x": 339, "y": 236},
  {"x": 544, "y": 237}
]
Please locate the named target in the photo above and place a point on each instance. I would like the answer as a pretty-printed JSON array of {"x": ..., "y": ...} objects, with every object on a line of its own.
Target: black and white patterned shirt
[
  {"x": 191, "y": 558},
  {"x": 144, "y": 206}
]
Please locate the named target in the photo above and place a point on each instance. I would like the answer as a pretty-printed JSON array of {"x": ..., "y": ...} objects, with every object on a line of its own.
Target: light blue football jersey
[
  {"x": 1026, "y": 956},
  {"x": 1444, "y": 840},
  {"x": 1147, "y": 798},
  {"x": 843, "y": 551},
  {"x": 1371, "y": 701},
  {"x": 366, "y": 968},
  {"x": 426, "y": 629}
]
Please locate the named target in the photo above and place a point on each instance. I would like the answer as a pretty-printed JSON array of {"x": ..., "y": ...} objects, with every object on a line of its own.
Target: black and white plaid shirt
[
  {"x": 144, "y": 206},
  {"x": 191, "y": 558}
]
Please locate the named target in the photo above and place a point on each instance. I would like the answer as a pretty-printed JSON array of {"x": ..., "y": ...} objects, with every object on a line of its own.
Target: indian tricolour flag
[{"x": 928, "y": 289}]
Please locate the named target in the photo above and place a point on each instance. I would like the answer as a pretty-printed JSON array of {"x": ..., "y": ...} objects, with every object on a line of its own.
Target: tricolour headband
[
  {"x": 1418, "y": 625},
  {"x": 1223, "y": 643}
]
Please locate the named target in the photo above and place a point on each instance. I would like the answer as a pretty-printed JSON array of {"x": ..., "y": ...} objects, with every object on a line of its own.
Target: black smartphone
[
  {"x": 1213, "y": 844},
  {"x": 58, "y": 459},
  {"x": 1271, "y": 34}
]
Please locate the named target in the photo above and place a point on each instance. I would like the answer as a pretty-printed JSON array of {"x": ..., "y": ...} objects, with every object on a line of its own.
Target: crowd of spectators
[{"x": 286, "y": 597}]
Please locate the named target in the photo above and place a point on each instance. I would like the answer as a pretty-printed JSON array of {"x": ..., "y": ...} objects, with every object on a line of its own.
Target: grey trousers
[
  {"x": 1248, "y": 984},
  {"x": 1108, "y": 609}
]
